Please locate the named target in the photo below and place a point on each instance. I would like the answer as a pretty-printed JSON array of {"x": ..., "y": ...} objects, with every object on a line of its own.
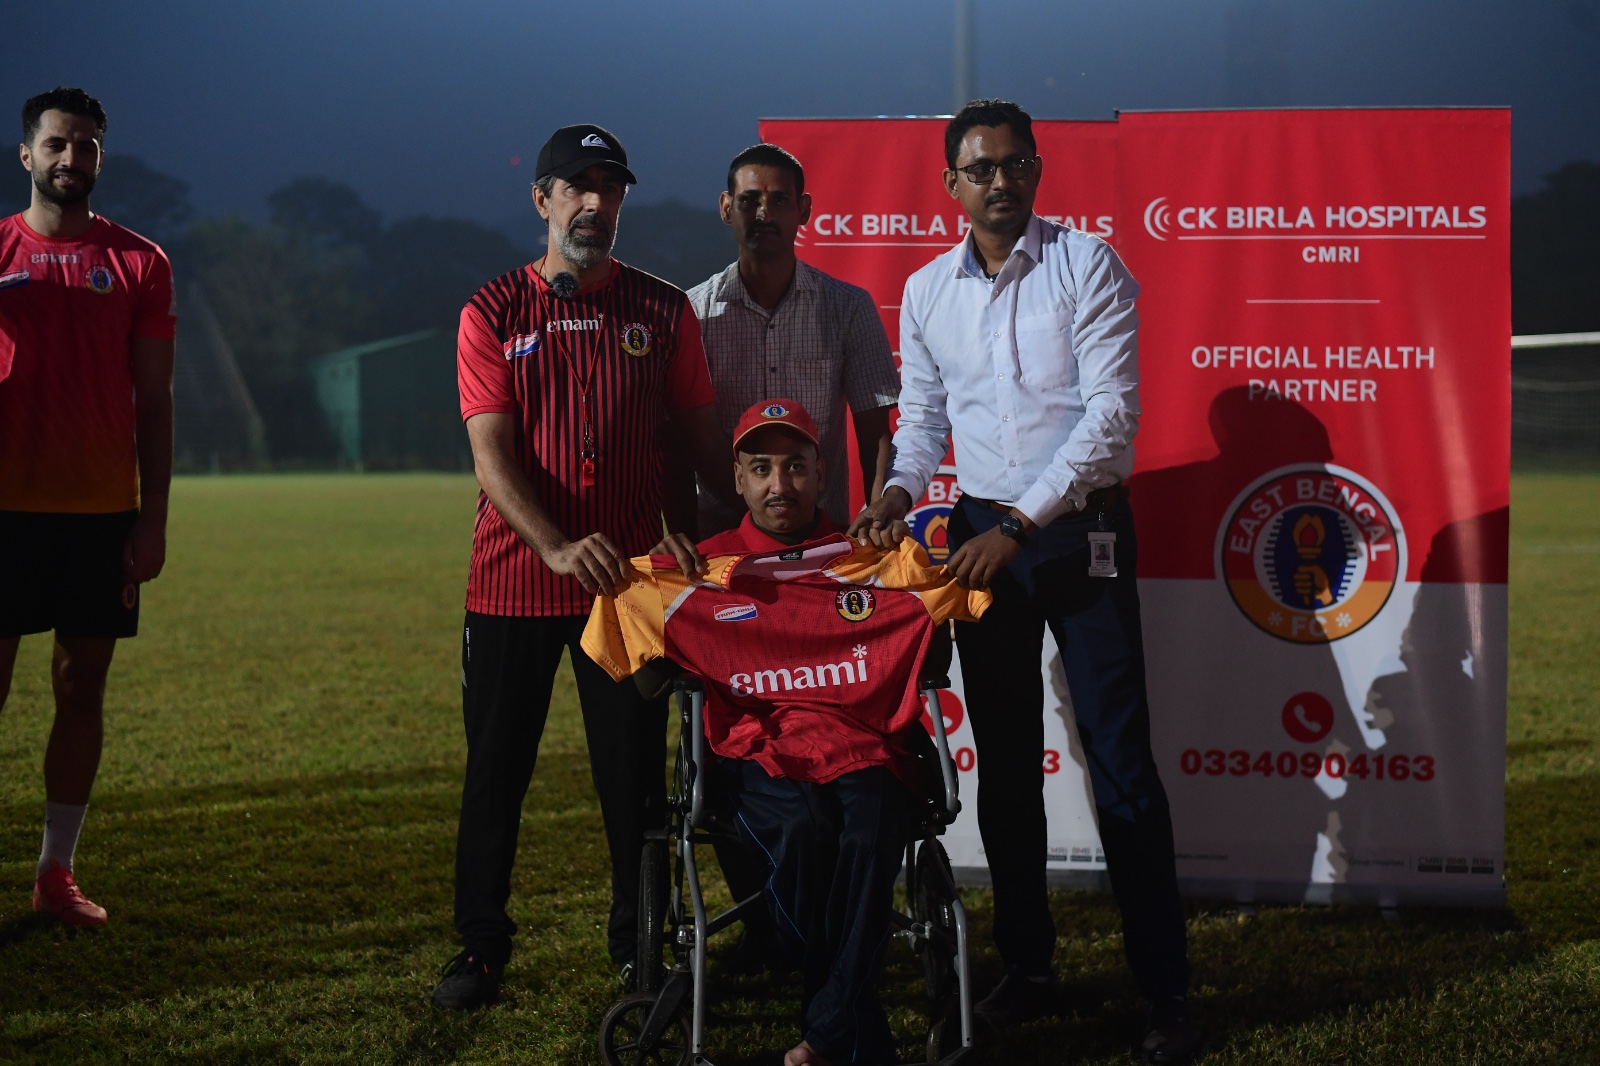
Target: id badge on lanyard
[{"x": 1103, "y": 554}]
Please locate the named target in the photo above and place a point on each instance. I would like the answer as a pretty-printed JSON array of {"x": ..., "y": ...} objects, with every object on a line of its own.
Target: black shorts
[{"x": 64, "y": 572}]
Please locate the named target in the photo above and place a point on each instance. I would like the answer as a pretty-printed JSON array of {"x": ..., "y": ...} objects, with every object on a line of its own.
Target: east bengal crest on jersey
[
  {"x": 1311, "y": 553},
  {"x": 855, "y": 604},
  {"x": 100, "y": 280},
  {"x": 636, "y": 339}
]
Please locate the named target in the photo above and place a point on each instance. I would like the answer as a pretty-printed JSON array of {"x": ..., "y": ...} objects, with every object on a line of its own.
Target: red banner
[
  {"x": 1332, "y": 286},
  {"x": 1322, "y": 481}
]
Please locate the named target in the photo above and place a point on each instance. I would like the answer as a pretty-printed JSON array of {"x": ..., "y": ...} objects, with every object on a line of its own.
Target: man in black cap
[{"x": 573, "y": 371}]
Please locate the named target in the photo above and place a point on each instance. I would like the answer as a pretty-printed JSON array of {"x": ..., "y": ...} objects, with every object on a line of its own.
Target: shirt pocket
[{"x": 1044, "y": 350}]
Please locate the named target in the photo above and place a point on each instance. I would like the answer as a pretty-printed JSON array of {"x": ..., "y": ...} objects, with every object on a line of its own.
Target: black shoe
[
  {"x": 1171, "y": 1039},
  {"x": 468, "y": 982},
  {"x": 1017, "y": 999}
]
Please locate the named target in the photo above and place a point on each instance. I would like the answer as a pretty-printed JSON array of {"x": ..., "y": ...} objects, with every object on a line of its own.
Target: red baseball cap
[{"x": 777, "y": 412}]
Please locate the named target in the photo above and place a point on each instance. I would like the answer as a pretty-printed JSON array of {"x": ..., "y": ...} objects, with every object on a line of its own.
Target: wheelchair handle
[{"x": 947, "y": 767}]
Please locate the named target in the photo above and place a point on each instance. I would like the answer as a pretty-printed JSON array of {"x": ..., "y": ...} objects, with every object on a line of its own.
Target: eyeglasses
[{"x": 1016, "y": 170}]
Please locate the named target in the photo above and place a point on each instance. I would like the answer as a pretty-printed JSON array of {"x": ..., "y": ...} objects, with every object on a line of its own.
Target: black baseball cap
[{"x": 573, "y": 149}]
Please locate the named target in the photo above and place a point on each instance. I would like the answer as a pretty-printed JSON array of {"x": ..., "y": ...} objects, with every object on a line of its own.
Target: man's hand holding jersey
[
  {"x": 882, "y": 524},
  {"x": 681, "y": 547}
]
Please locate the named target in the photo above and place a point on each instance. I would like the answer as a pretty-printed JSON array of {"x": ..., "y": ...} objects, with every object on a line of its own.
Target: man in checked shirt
[{"x": 774, "y": 326}]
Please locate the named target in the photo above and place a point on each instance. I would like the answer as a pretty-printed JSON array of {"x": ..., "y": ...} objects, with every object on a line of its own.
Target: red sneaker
[{"x": 55, "y": 891}]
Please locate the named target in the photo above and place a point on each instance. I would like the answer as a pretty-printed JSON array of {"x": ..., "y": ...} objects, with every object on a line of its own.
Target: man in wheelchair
[{"x": 809, "y": 658}]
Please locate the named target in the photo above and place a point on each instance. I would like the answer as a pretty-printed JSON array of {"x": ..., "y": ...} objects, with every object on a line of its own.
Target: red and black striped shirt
[{"x": 634, "y": 343}]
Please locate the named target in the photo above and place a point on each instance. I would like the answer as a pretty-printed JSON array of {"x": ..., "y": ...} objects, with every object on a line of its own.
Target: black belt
[{"x": 1106, "y": 499}]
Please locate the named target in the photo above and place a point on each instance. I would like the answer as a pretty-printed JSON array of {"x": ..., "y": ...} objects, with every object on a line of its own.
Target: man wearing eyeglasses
[{"x": 1022, "y": 343}]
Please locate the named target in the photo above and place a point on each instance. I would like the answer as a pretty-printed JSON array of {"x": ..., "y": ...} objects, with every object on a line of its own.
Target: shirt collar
[
  {"x": 1029, "y": 244},
  {"x": 731, "y": 287}
]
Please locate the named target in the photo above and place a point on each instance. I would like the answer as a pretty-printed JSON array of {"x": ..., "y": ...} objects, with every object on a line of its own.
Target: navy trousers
[
  {"x": 832, "y": 853},
  {"x": 1095, "y": 621}
]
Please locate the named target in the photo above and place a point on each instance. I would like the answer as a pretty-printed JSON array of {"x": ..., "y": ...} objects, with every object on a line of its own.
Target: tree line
[{"x": 325, "y": 271}]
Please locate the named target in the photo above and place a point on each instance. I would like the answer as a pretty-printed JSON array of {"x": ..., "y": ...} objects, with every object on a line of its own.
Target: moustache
[
  {"x": 1000, "y": 198},
  {"x": 590, "y": 218},
  {"x": 790, "y": 500},
  {"x": 74, "y": 171}
]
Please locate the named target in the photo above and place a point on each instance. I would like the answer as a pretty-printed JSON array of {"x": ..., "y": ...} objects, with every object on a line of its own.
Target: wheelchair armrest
[{"x": 657, "y": 677}]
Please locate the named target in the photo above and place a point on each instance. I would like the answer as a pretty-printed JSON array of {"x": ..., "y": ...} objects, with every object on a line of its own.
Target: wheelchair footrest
[{"x": 676, "y": 992}]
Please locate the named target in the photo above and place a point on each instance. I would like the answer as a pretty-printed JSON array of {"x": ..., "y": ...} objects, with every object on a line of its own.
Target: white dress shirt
[{"x": 1035, "y": 374}]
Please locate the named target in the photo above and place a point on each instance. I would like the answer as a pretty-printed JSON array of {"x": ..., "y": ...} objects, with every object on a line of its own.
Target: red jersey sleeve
[
  {"x": 156, "y": 314},
  {"x": 688, "y": 380},
  {"x": 482, "y": 373}
]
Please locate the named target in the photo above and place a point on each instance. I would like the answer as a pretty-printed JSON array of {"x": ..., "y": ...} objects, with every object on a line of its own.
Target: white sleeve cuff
[{"x": 1043, "y": 506}]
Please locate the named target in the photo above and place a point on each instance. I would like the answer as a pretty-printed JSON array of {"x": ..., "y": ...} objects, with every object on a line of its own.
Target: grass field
[{"x": 274, "y": 824}]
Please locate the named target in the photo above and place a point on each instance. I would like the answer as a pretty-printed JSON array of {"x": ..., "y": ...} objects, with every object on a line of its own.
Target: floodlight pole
[{"x": 966, "y": 63}]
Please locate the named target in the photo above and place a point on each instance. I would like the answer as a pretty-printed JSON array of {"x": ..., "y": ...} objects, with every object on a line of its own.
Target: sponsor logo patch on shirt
[
  {"x": 16, "y": 277},
  {"x": 521, "y": 346},
  {"x": 734, "y": 612}
]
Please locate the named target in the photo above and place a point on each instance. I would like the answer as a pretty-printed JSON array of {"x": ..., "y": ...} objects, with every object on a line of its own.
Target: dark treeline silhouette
[
  {"x": 1555, "y": 253},
  {"x": 325, "y": 272}
]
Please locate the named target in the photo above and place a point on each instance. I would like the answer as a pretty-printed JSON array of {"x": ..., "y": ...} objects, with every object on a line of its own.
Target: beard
[
  {"x": 45, "y": 183},
  {"x": 585, "y": 250}
]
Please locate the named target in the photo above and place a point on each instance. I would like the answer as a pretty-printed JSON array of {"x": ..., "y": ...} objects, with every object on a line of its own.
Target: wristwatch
[{"x": 1011, "y": 526}]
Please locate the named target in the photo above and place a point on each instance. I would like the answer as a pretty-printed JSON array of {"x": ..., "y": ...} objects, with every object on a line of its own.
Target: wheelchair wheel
[
  {"x": 619, "y": 1035},
  {"x": 654, "y": 875},
  {"x": 932, "y": 906}
]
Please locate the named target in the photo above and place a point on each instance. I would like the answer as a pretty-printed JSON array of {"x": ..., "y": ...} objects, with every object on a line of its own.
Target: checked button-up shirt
[
  {"x": 1035, "y": 374},
  {"x": 823, "y": 345}
]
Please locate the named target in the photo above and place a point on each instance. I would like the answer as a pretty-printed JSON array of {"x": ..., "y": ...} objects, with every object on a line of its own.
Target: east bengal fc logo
[
  {"x": 930, "y": 521},
  {"x": 855, "y": 604},
  {"x": 636, "y": 339},
  {"x": 1311, "y": 553},
  {"x": 100, "y": 280}
]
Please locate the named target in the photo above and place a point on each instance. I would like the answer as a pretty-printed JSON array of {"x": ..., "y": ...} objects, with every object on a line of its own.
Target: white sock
[{"x": 62, "y": 823}]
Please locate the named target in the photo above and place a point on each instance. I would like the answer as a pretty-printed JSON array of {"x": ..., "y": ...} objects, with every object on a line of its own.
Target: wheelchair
[{"x": 662, "y": 1022}]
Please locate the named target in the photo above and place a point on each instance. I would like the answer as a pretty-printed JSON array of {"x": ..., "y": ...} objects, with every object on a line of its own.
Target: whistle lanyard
[{"x": 584, "y": 381}]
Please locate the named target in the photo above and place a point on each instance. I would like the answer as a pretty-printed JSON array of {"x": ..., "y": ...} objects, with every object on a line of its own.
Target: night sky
[{"x": 428, "y": 107}]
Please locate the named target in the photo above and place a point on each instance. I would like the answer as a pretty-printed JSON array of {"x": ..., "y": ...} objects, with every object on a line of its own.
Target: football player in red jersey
[{"x": 87, "y": 326}]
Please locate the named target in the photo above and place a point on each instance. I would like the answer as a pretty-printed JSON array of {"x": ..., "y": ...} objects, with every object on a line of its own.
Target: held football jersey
[
  {"x": 69, "y": 308},
  {"x": 810, "y": 655}
]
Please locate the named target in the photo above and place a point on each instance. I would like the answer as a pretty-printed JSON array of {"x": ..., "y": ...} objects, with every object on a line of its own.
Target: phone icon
[{"x": 1307, "y": 717}]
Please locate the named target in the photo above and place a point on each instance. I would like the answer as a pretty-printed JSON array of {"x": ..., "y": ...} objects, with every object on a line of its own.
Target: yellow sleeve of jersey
[
  {"x": 908, "y": 567},
  {"x": 627, "y": 630}
]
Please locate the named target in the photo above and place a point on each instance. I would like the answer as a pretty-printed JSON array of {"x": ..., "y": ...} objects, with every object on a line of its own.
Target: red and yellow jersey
[
  {"x": 69, "y": 309},
  {"x": 810, "y": 655}
]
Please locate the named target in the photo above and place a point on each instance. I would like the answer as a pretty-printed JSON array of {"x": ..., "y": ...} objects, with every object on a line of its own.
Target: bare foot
[{"x": 803, "y": 1054}]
